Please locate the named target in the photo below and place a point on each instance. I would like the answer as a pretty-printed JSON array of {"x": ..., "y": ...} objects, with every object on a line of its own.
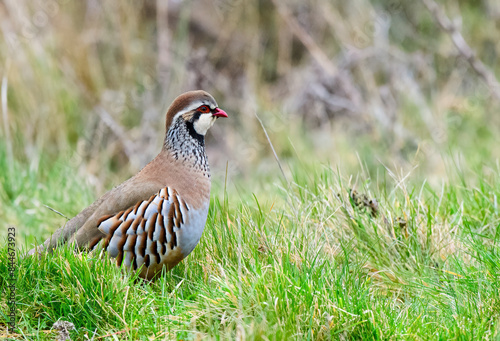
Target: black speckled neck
[{"x": 186, "y": 145}]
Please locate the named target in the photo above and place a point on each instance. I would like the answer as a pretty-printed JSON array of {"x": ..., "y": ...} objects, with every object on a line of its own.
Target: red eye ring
[{"x": 204, "y": 109}]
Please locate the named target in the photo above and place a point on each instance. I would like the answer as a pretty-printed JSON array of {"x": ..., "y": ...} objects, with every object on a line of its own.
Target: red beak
[{"x": 219, "y": 113}]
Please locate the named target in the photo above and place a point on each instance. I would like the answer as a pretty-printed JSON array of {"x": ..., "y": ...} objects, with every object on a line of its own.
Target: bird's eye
[{"x": 204, "y": 109}]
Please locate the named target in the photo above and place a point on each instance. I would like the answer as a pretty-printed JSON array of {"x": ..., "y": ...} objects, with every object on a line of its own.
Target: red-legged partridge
[{"x": 156, "y": 218}]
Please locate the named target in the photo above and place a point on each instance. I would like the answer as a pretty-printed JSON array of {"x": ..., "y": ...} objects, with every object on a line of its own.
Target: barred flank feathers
[{"x": 140, "y": 235}]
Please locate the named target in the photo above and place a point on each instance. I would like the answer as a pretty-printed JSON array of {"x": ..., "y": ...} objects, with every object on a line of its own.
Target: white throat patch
[{"x": 202, "y": 124}]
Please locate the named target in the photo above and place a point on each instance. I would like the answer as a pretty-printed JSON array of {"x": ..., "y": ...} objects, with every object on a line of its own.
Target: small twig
[
  {"x": 463, "y": 48},
  {"x": 272, "y": 147},
  {"x": 56, "y": 211}
]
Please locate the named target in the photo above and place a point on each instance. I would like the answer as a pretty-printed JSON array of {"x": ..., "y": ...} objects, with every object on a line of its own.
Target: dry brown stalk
[
  {"x": 463, "y": 48},
  {"x": 163, "y": 41},
  {"x": 118, "y": 130},
  {"x": 5, "y": 117},
  {"x": 306, "y": 39}
]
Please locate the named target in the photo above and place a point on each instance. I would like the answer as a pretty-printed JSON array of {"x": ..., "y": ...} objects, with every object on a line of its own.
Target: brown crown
[{"x": 184, "y": 101}]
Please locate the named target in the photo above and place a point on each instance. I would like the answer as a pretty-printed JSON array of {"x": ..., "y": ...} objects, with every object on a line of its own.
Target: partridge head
[{"x": 154, "y": 219}]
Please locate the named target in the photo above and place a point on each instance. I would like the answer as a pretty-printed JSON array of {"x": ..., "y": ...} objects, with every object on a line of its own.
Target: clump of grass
[{"x": 308, "y": 266}]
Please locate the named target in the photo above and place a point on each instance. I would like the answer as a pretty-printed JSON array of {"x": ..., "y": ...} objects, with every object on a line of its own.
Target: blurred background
[{"x": 359, "y": 86}]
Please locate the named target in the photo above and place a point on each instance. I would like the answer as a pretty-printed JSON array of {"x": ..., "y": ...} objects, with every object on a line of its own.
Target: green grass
[
  {"x": 300, "y": 259},
  {"x": 307, "y": 264}
]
